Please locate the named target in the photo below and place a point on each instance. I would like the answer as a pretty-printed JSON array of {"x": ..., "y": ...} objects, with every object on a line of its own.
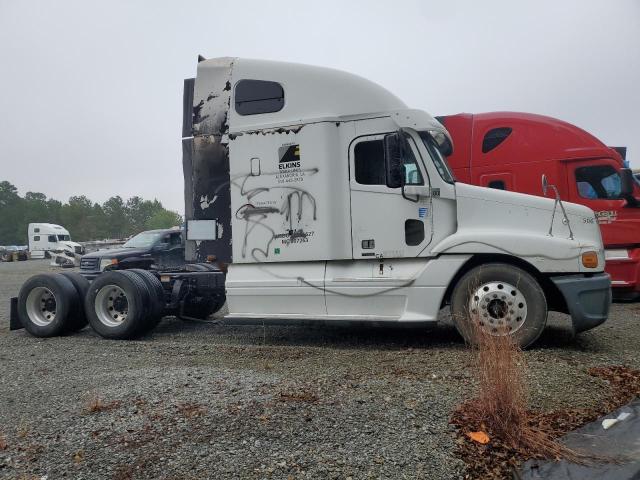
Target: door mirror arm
[{"x": 404, "y": 195}]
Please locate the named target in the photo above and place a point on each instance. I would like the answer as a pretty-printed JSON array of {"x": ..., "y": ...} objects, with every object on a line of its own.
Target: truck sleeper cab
[
  {"x": 321, "y": 196},
  {"x": 510, "y": 151},
  {"x": 48, "y": 238}
]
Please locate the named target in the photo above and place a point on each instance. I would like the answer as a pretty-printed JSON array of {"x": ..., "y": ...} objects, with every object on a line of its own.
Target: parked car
[
  {"x": 153, "y": 248},
  {"x": 14, "y": 253}
]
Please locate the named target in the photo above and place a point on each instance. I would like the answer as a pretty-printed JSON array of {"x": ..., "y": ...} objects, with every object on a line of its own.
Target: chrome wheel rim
[
  {"x": 41, "y": 306},
  {"x": 111, "y": 305},
  {"x": 499, "y": 308}
]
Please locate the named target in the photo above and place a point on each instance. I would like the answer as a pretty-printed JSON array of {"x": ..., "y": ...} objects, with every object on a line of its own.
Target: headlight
[{"x": 107, "y": 262}]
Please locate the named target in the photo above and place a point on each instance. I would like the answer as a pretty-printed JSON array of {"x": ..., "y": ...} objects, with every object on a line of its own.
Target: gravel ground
[{"x": 195, "y": 400}]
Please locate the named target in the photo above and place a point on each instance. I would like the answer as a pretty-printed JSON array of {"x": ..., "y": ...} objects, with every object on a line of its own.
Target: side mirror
[
  {"x": 626, "y": 182},
  {"x": 545, "y": 185},
  {"x": 626, "y": 186},
  {"x": 393, "y": 159}
]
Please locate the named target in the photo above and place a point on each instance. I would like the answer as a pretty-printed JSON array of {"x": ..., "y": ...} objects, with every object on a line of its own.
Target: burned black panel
[
  {"x": 211, "y": 195},
  {"x": 206, "y": 162},
  {"x": 187, "y": 107}
]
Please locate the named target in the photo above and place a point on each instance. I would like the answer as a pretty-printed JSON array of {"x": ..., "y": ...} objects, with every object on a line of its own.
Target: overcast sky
[{"x": 91, "y": 92}]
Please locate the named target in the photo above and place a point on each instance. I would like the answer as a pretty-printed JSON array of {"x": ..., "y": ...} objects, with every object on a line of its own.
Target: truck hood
[
  {"x": 118, "y": 253},
  {"x": 503, "y": 222}
]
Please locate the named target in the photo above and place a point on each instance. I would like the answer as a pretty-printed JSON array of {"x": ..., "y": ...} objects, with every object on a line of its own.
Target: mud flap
[{"x": 14, "y": 318}]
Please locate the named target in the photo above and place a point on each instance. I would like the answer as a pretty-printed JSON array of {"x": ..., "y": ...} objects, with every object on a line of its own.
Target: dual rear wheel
[{"x": 118, "y": 305}]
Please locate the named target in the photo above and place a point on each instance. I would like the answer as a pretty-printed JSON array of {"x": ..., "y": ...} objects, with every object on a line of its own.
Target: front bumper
[
  {"x": 588, "y": 299},
  {"x": 624, "y": 267}
]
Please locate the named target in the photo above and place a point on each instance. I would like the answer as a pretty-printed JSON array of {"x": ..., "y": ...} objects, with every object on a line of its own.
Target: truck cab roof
[{"x": 514, "y": 137}]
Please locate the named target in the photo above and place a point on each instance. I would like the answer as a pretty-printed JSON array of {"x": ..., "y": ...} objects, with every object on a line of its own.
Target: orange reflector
[{"x": 590, "y": 259}]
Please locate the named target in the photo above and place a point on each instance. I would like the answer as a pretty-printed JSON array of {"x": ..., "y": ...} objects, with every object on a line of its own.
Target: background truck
[
  {"x": 160, "y": 249},
  {"x": 315, "y": 194},
  {"x": 510, "y": 151},
  {"x": 50, "y": 240}
]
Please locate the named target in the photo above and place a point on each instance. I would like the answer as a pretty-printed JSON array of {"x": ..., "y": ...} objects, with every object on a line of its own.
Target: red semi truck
[{"x": 511, "y": 151}]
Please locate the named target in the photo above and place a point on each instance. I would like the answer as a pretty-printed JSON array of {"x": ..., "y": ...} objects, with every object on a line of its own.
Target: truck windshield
[
  {"x": 438, "y": 159},
  {"x": 142, "y": 240},
  {"x": 63, "y": 238}
]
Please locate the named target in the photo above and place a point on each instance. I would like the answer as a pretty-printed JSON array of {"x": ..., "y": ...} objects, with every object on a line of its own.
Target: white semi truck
[
  {"x": 48, "y": 240},
  {"x": 315, "y": 194}
]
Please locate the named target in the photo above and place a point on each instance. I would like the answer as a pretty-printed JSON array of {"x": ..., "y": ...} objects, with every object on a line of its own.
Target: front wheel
[{"x": 499, "y": 299}]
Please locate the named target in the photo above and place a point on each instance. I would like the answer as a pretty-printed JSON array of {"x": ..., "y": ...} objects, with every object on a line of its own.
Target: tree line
[{"x": 85, "y": 220}]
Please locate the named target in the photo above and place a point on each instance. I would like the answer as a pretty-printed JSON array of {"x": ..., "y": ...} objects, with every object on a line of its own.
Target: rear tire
[
  {"x": 156, "y": 293},
  {"x": 77, "y": 320},
  {"x": 115, "y": 305},
  {"x": 45, "y": 302},
  {"x": 501, "y": 299}
]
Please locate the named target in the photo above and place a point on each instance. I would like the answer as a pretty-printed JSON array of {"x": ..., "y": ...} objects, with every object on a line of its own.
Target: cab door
[
  {"x": 169, "y": 251},
  {"x": 598, "y": 185},
  {"x": 385, "y": 224}
]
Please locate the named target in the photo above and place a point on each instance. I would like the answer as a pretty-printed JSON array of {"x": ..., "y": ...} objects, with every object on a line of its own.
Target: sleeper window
[
  {"x": 258, "y": 96},
  {"x": 36, "y": 238},
  {"x": 494, "y": 137}
]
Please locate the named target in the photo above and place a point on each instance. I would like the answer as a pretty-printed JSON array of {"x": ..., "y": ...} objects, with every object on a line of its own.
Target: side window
[
  {"x": 411, "y": 170},
  {"x": 370, "y": 167},
  {"x": 494, "y": 137},
  {"x": 497, "y": 184},
  {"x": 258, "y": 96},
  {"x": 36, "y": 238},
  {"x": 175, "y": 239},
  {"x": 36, "y": 230},
  {"x": 369, "y": 163},
  {"x": 53, "y": 238},
  {"x": 598, "y": 182}
]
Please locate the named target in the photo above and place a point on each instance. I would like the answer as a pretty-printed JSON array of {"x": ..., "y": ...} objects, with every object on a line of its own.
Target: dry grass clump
[
  {"x": 304, "y": 396},
  {"x": 501, "y": 405},
  {"x": 500, "y": 409},
  {"x": 190, "y": 410},
  {"x": 96, "y": 404}
]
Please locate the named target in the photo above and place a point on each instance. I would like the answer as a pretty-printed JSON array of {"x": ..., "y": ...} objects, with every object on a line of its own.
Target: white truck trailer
[{"x": 315, "y": 194}]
